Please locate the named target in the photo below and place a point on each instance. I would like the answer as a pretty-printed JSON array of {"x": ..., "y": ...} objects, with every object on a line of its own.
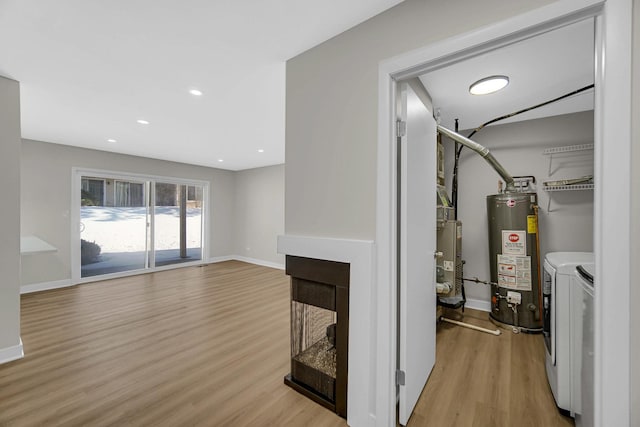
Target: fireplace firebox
[{"x": 319, "y": 330}]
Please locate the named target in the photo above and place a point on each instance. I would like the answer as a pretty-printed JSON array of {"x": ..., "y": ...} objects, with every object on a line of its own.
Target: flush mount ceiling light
[
  {"x": 489, "y": 85},
  {"x": 142, "y": 122},
  {"x": 221, "y": 160},
  {"x": 195, "y": 92},
  {"x": 261, "y": 151},
  {"x": 111, "y": 140}
]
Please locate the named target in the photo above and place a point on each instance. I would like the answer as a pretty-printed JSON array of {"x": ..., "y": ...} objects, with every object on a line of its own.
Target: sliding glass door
[
  {"x": 113, "y": 225},
  {"x": 138, "y": 223},
  {"x": 177, "y": 223}
]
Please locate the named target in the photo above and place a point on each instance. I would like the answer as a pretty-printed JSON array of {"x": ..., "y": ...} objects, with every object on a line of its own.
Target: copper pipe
[{"x": 535, "y": 212}]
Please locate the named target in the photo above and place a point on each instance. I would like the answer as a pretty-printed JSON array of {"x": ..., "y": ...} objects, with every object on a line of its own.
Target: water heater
[
  {"x": 513, "y": 255},
  {"x": 513, "y": 247}
]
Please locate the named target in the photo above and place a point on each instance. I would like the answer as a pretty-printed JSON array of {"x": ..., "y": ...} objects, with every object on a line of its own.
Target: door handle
[{"x": 438, "y": 254}]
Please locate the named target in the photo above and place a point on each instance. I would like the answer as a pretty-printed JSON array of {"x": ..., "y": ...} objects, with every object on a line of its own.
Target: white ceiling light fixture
[
  {"x": 111, "y": 140},
  {"x": 195, "y": 92},
  {"x": 488, "y": 85},
  {"x": 220, "y": 160},
  {"x": 142, "y": 122},
  {"x": 261, "y": 151}
]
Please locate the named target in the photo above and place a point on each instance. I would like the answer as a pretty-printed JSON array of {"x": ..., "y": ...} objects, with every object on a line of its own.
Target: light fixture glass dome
[{"x": 489, "y": 85}]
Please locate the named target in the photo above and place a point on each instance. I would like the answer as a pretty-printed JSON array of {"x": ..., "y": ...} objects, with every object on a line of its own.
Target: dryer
[
  {"x": 582, "y": 394},
  {"x": 559, "y": 268}
]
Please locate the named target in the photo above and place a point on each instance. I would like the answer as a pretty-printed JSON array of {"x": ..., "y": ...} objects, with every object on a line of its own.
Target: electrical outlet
[{"x": 514, "y": 297}]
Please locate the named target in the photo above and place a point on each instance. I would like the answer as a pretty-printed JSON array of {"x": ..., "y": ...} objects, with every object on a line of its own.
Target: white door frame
[{"x": 611, "y": 198}]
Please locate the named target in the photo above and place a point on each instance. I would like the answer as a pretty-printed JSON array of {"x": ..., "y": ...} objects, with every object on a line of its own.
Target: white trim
[
  {"x": 478, "y": 304},
  {"x": 45, "y": 286},
  {"x": 612, "y": 214},
  {"x": 10, "y": 354},
  {"x": 137, "y": 177},
  {"x": 150, "y": 186},
  {"x": 223, "y": 258},
  {"x": 458, "y": 48},
  {"x": 362, "y": 321},
  {"x": 259, "y": 262},
  {"x": 386, "y": 256},
  {"x": 466, "y": 45}
]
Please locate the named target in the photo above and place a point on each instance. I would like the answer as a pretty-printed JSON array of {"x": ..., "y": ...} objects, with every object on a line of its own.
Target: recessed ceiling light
[
  {"x": 195, "y": 92},
  {"x": 142, "y": 122},
  {"x": 489, "y": 85},
  {"x": 261, "y": 151},
  {"x": 220, "y": 160},
  {"x": 111, "y": 140}
]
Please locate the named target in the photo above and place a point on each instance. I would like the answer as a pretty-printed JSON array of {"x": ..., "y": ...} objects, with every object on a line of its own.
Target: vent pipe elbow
[{"x": 484, "y": 152}]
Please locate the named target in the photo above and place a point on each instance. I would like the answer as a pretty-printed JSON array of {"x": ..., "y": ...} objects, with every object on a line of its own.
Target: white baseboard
[
  {"x": 11, "y": 353},
  {"x": 479, "y": 304},
  {"x": 45, "y": 286},
  {"x": 259, "y": 262},
  {"x": 246, "y": 259},
  {"x": 221, "y": 259}
]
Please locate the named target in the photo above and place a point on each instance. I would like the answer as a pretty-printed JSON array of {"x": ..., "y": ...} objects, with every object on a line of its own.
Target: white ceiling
[
  {"x": 539, "y": 69},
  {"x": 89, "y": 69}
]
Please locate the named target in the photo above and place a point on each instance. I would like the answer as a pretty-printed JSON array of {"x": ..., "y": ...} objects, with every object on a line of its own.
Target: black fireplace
[{"x": 319, "y": 330}]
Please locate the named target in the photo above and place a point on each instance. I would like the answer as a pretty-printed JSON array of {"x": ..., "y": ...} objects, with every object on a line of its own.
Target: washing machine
[
  {"x": 582, "y": 289},
  {"x": 559, "y": 268}
]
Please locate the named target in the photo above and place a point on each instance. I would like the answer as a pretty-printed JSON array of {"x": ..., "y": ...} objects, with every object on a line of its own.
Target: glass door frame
[{"x": 76, "y": 185}]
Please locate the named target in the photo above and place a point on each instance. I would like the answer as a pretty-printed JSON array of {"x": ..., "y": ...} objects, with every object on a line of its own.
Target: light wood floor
[
  {"x": 210, "y": 346},
  {"x": 481, "y": 380}
]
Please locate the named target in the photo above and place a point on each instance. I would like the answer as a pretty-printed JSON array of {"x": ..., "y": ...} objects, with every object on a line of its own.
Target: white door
[{"x": 417, "y": 246}]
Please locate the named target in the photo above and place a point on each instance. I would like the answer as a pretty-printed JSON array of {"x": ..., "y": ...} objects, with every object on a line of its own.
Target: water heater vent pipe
[{"x": 484, "y": 152}]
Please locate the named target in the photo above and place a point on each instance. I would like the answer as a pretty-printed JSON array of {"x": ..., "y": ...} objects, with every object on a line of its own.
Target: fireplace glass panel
[{"x": 313, "y": 351}]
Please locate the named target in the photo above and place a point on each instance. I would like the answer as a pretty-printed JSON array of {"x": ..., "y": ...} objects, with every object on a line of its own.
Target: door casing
[{"x": 612, "y": 124}]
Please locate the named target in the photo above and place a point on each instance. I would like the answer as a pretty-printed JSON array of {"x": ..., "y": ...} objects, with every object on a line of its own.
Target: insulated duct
[{"x": 484, "y": 152}]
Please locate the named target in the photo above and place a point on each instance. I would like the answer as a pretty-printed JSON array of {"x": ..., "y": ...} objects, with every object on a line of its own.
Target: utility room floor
[{"x": 483, "y": 380}]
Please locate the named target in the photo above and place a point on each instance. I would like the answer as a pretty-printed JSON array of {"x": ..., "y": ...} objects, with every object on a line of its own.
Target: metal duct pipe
[{"x": 484, "y": 152}]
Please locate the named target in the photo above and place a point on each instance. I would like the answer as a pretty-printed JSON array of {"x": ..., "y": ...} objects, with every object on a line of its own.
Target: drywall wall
[
  {"x": 46, "y": 200},
  {"x": 566, "y": 226},
  {"x": 259, "y": 213},
  {"x": 635, "y": 221},
  {"x": 332, "y": 107},
  {"x": 10, "y": 224}
]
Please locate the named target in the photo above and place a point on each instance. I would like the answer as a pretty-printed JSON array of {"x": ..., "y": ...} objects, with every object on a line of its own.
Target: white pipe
[
  {"x": 443, "y": 288},
  {"x": 474, "y": 327}
]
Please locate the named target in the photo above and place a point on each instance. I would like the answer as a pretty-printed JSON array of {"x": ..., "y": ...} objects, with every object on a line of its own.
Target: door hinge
[
  {"x": 399, "y": 377},
  {"x": 401, "y": 128}
]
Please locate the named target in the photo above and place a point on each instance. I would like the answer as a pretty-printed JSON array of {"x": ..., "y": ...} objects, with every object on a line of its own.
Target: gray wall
[
  {"x": 259, "y": 212},
  {"x": 246, "y": 217},
  {"x": 46, "y": 200},
  {"x": 10, "y": 224},
  {"x": 635, "y": 222},
  {"x": 332, "y": 106},
  {"x": 567, "y": 226}
]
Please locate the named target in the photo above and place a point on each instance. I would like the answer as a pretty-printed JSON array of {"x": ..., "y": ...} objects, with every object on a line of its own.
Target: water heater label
[
  {"x": 514, "y": 242},
  {"x": 514, "y": 272},
  {"x": 532, "y": 224}
]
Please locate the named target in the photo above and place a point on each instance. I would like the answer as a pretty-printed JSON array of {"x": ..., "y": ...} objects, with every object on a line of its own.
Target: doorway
[{"x": 612, "y": 122}]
